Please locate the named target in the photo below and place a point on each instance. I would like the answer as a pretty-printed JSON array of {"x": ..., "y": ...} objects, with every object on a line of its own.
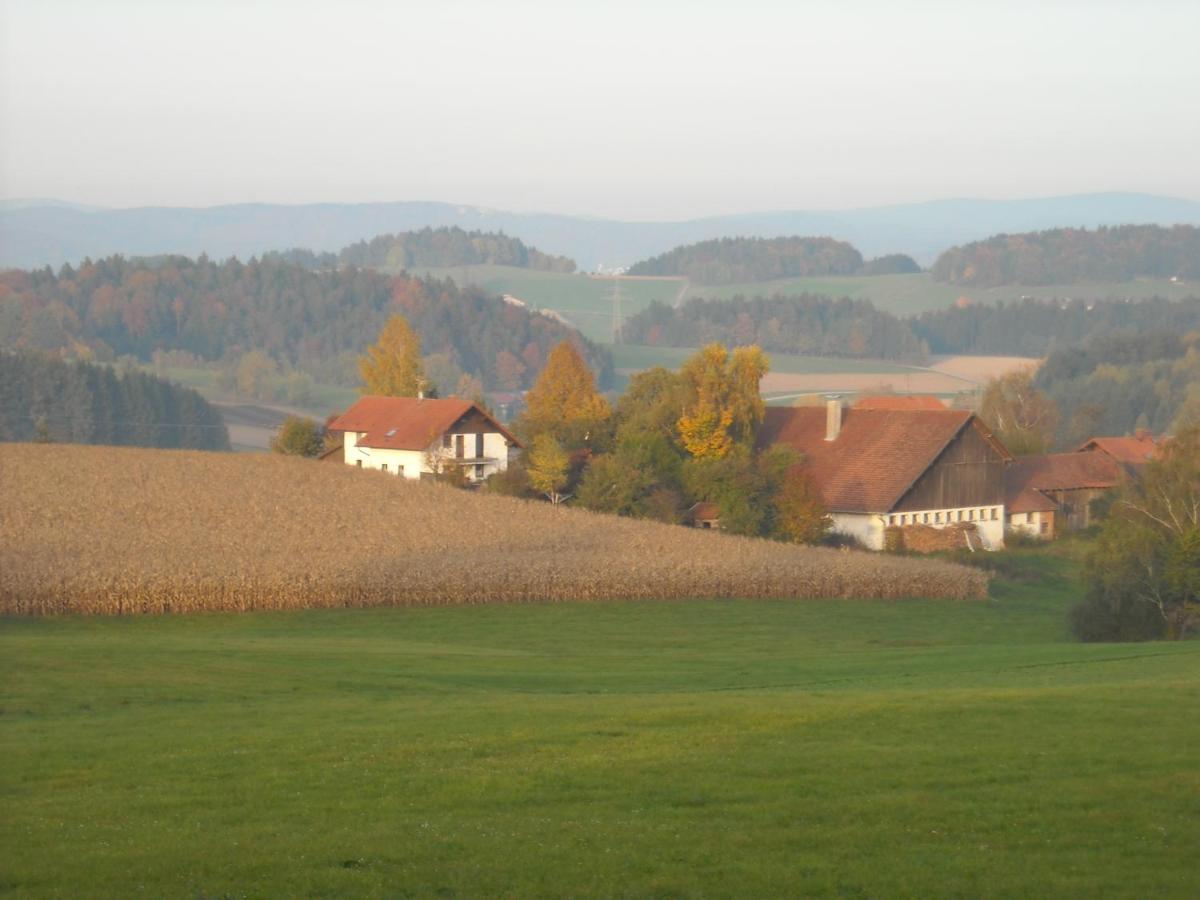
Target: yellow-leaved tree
[
  {"x": 392, "y": 366},
  {"x": 724, "y": 407},
  {"x": 564, "y": 401}
]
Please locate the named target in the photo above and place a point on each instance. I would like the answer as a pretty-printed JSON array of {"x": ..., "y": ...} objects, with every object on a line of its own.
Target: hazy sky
[{"x": 628, "y": 110}]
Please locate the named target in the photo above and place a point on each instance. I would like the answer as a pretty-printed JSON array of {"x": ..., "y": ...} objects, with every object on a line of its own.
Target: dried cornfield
[{"x": 106, "y": 530}]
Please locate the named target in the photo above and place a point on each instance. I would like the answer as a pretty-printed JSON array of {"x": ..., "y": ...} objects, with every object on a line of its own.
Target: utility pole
[{"x": 616, "y": 310}]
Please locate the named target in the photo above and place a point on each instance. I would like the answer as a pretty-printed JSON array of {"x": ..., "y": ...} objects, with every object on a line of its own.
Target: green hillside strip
[
  {"x": 737, "y": 748},
  {"x": 586, "y": 302}
]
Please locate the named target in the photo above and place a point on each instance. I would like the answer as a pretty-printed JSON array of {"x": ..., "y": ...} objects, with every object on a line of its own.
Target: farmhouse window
[
  {"x": 460, "y": 446},
  {"x": 993, "y": 514},
  {"x": 383, "y": 467},
  {"x": 400, "y": 471},
  {"x": 358, "y": 463},
  {"x": 479, "y": 446},
  {"x": 446, "y": 441}
]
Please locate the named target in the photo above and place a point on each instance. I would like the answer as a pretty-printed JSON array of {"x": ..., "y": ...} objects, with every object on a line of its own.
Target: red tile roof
[
  {"x": 406, "y": 423},
  {"x": 898, "y": 401},
  {"x": 1028, "y": 476},
  {"x": 877, "y": 456},
  {"x": 1131, "y": 451}
]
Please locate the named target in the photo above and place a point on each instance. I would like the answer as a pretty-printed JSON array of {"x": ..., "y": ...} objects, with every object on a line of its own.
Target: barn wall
[{"x": 970, "y": 472}]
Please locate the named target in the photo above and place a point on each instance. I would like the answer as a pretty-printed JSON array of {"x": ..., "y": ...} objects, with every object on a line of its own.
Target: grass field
[
  {"x": 584, "y": 301},
  {"x": 738, "y": 748},
  {"x": 587, "y": 302}
]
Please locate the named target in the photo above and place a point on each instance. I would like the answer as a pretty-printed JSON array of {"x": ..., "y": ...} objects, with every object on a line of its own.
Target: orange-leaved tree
[
  {"x": 724, "y": 407},
  {"x": 564, "y": 401},
  {"x": 392, "y": 366}
]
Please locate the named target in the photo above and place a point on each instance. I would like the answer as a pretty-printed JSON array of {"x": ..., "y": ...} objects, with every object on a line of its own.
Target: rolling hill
[{"x": 34, "y": 233}]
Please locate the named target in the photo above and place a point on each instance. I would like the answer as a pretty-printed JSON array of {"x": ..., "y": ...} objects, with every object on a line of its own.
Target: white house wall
[
  {"x": 866, "y": 528},
  {"x": 869, "y": 528},
  {"x": 415, "y": 462}
]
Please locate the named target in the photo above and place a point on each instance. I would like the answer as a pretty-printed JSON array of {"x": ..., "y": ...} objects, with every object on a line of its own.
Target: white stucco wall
[
  {"x": 869, "y": 528},
  {"x": 1031, "y": 524},
  {"x": 416, "y": 462}
]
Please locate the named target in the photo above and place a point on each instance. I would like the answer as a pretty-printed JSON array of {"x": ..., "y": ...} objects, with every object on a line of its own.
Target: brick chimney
[{"x": 833, "y": 417}]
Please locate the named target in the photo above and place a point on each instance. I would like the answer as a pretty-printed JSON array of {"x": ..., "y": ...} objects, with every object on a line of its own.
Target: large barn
[{"x": 885, "y": 468}]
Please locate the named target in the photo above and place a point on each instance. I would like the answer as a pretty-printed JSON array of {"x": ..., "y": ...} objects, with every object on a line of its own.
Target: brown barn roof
[
  {"x": 877, "y": 456},
  {"x": 1130, "y": 451},
  {"x": 1028, "y": 476},
  {"x": 407, "y": 423},
  {"x": 898, "y": 401}
]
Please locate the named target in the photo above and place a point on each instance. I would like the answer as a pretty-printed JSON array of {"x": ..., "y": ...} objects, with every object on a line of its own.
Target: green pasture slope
[
  {"x": 587, "y": 302},
  {"x": 584, "y": 301},
  {"x": 835, "y": 748}
]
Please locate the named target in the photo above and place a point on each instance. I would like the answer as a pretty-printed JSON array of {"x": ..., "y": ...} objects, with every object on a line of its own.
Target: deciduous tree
[
  {"x": 548, "y": 467},
  {"x": 298, "y": 436},
  {"x": 392, "y": 366},
  {"x": 1020, "y": 415},
  {"x": 564, "y": 402}
]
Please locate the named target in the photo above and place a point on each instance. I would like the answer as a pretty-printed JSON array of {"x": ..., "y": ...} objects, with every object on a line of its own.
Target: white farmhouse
[{"x": 414, "y": 437}]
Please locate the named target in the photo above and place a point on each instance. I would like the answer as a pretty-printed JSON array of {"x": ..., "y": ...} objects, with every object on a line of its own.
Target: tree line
[
  {"x": 1033, "y": 327},
  {"x": 47, "y": 399},
  {"x": 297, "y": 318},
  {"x": 803, "y": 324},
  {"x": 1068, "y": 255},
  {"x": 673, "y": 439}
]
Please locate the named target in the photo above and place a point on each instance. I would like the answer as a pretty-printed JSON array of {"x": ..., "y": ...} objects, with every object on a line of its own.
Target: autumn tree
[
  {"x": 298, "y": 436},
  {"x": 1143, "y": 577},
  {"x": 392, "y": 366},
  {"x": 1020, "y": 415},
  {"x": 800, "y": 516},
  {"x": 564, "y": 402},
  {"x": 724, "y": 405},
  {"x": 548, "y": 467}
]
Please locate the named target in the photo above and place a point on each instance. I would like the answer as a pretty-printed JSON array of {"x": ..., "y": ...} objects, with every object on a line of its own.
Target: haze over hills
[{"x": 50, "y": 232}]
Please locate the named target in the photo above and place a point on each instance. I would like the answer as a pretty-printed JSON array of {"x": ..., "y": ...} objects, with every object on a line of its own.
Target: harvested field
[
  {"x": 104, "y": 530},
  {"x": 981, "y": 368}
]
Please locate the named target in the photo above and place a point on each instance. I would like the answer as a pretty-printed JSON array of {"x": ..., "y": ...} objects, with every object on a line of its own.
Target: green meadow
[{"x": 780, "y": 748}]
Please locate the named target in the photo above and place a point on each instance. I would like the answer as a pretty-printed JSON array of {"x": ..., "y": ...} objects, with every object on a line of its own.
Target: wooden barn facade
[{"x": 894, "y": 476}]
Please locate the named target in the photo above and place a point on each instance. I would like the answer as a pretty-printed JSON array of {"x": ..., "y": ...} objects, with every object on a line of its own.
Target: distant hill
[
  {"x": 53, "y": 233},
  {"x": 443, "y": 247},
  {"x": 734, "y": 260},
  {"x": 317, "y": 322},
  {"x": 1071, "y": 255}
]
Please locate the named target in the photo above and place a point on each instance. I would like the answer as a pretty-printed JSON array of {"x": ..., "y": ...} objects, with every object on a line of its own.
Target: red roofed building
[
  {"x": 885, "y": 468},
  {"x": 416, "y": 437},
  {"x": 1049, "y": 493},
  {"x": 1133, "y": 452}
]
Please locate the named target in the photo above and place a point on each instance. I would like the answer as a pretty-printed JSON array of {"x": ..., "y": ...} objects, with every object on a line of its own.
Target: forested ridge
[
  {"x": 737, "y": 260},
  {"x": 47, "y": 399},
  {"x": 806, "y": 324},
  {"x": 1069, "y": 255},
  {"x": 1116, "y": 382},
  {"x": 442, "y": 247},
  {"x": 312, "y": 321},
  {"x": 1032, "y": 327}
]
